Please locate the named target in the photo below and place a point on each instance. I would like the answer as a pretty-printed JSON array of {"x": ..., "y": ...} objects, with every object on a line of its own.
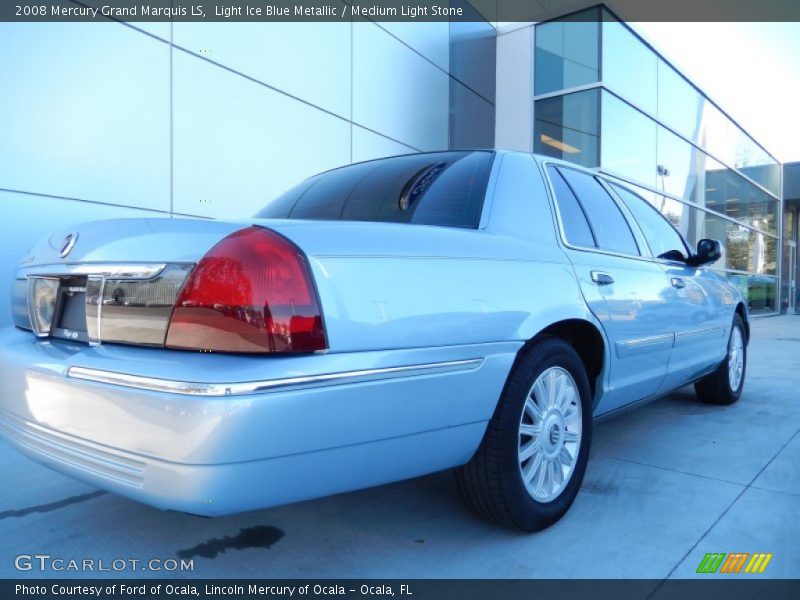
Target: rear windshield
[{"x": 443, "y": 188}]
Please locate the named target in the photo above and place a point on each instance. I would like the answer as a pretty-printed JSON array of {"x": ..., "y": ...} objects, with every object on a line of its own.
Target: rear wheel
[
  {"x": 724, "y": 386},
  {"x": 530, "y": 464}
]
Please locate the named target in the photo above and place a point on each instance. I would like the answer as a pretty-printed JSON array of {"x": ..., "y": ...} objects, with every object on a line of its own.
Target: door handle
[
  {"x": 601, "y": 278},
  {"x": 679, "y": 283}
]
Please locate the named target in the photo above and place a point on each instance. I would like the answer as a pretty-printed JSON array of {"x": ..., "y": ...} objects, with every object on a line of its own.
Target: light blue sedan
[{"x": 470, "y": 310}]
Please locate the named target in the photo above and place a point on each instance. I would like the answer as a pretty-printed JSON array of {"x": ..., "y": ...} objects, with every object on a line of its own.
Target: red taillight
[{"x": 252, "y": 292}]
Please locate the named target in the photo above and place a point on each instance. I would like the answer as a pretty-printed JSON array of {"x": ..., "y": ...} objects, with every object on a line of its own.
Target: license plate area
[
  {"x": 70, "y": 314},
  {"x": 57, "y": 307}
]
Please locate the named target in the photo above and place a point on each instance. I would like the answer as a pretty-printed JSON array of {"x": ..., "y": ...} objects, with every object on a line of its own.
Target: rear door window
[
  {"x": 611, "y": 230},
  {"x": 573, "y": 219}
]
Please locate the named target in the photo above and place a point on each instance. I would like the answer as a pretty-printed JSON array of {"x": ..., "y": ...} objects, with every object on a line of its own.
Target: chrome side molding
[{"x": 190, "y": 388}]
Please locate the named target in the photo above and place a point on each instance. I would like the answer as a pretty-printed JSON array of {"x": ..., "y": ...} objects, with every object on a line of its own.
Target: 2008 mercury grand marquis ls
[{"x": 377, "y": 322}]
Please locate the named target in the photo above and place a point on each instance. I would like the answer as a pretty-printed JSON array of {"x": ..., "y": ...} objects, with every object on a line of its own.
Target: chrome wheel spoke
[
  {"x": 558, "y": 472},
  {"x": 533, "y": 409},
  {"x": 571, "y": 413},
  {"x": 568, "y": 396},
  {"x": 735, "y": 358},
  {"x": 553, "y": 384},
  {"x": 528, "y": 450},
  {"x": 565, "y": 457},
  {"x": 529, "y": 472},
  {"x": 571, "y": 437},
  {"x": 541, "y": 480},
  {"x": 529, "y": 430},
  {"x": 549, "y": 434}
]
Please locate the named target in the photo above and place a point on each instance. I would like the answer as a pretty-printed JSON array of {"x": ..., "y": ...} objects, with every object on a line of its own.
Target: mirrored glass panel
[
  {"x": 253, "y": 145},
  {"x": 472, "y": 120},
  {"x": 681, "y": 167},
  {"x": 567, "y": 127},
  {"x": 397, "y": 92},
  {"x": 318, "y": 70},
  {"x": 743, "y": 248},
  {"x": 368, "y": 145},
  {"x": 567, "y": 52},
  {"x": 473, "y": 46},
  {"x": 628, "y": 143},
  {"x": 725, "y": 140},
  {"x": 630, "y": 68},
  {"x": 85, "y": 112},
  {"x": 679, "y": 103},
  {"x": 759, "y": 290}
]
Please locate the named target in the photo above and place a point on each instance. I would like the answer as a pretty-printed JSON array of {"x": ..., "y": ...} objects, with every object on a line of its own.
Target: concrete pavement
[{"x": 666, "y": 484}]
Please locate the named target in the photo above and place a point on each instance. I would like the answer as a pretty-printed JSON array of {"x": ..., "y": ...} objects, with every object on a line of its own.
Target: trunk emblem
[{"x": 68, "y": 244}]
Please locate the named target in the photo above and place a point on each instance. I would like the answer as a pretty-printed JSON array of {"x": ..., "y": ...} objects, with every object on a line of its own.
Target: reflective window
[
  {"x": 630, "y": 68},
  {"x": 680, "y": 166},
  {"x": 724, "y": 139},
  {"x": 759, "y": 290},
  {"x": 573, "y": 219},
  {"x": 743, "y": 248},
  {"x": 567, "y": 127},
  {"x": 610, "y": 228},
  {"x": 431, "y": 189},
  {"x": 567, "y": 52},
  {"x": 628, "y": 143},
  {"x": 679, "y": 103},
  {"x": 660, "y": 235},
  {"x": 758, "y": 206}
]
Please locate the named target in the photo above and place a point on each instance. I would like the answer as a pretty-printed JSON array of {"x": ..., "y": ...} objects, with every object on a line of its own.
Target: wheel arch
[
  {"x": 742, "y": 312},
  {"x": 587, "y": 340}
]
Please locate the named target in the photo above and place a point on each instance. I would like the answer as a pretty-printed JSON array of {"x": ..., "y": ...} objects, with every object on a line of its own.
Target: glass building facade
[{"x": 603, "y": 98}]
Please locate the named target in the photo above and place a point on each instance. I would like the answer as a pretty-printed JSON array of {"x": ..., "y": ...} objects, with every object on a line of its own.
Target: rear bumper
[{"x": 212, "y": 434}]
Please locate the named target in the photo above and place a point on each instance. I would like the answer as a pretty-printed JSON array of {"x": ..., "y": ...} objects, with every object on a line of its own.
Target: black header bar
[{"x": 494, "y": 11}]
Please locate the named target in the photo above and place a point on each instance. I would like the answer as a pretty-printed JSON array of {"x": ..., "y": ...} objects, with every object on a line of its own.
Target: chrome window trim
[
  {"x": 562, "y": 237},
  {"x": 191, "y": 388}
]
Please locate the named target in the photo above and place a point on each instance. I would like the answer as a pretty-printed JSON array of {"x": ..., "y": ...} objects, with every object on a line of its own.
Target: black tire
[
  {"x": 491, "y": 483},
  {"x": 715, "y": 388}
]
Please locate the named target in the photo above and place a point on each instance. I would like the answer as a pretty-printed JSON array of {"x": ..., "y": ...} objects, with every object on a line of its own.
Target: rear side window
[
  {"x": 661, "y": 236},
  {"x": 573, "y": 219},
  {"x": 444, "y": 188},
  {"x": 611, "y": 230}
]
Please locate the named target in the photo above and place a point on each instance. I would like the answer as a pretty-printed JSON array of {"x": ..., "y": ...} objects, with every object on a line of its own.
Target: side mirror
[{"x": 708, "y": 251}]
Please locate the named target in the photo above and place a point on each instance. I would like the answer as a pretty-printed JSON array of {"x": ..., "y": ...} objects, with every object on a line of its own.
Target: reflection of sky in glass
[{"x": 750, "y": 69}]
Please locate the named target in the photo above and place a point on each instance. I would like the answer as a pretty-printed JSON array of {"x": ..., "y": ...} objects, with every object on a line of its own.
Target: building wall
[
  {"x": 602, "y": 98},
  {"x": 105, "y": 120}
]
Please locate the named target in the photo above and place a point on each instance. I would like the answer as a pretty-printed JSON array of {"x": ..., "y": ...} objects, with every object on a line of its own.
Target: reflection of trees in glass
[
  {"x": 771, "y": 262},
  {"x": 738, "y": 247}
]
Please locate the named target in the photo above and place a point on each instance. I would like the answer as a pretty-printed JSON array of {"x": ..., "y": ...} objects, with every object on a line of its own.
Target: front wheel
[
  {"x": 530, "y": 464},
  {"x": 724, "y": 386}
]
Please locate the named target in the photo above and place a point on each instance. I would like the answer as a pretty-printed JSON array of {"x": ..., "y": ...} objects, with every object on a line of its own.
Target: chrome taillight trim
[
  {"x": 108, "y": 270},
  {"x": 191, "y": 388}
]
